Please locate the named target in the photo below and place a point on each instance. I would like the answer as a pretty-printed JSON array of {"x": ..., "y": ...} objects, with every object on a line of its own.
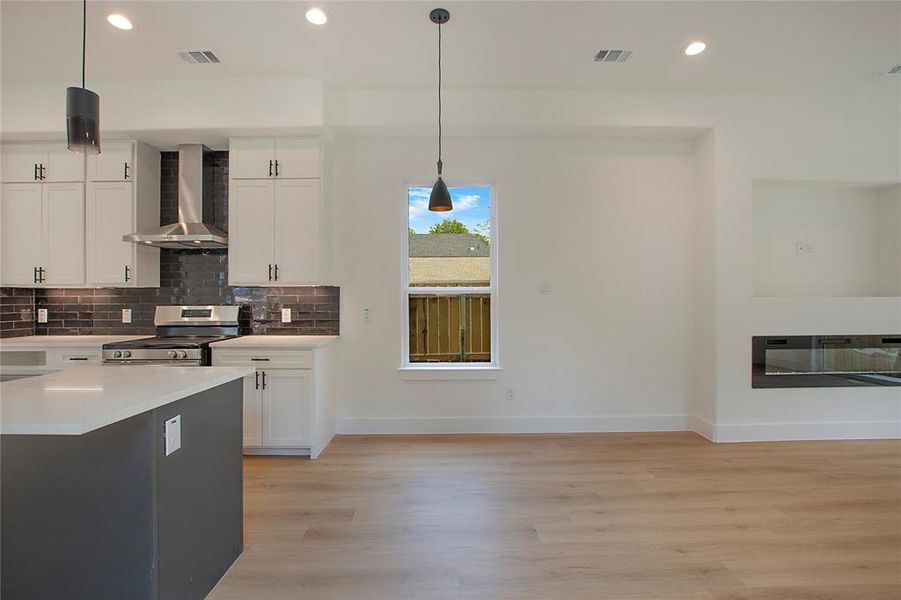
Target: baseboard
[
  {"x": 745, "y": 432},
  {"x": 777, "y": 432},
  {"x": 413, "y": 425},
  {"x": 704, "y": 428}
]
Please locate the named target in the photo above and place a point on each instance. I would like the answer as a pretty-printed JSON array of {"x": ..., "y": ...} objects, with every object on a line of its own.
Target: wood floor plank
[{"x": 595, "y": 516}]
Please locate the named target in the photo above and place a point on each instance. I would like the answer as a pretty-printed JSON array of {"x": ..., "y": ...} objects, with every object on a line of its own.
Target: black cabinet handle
[
  {"x": 270, "y": 272},
  {"x": 35, "y": 275},
  {"x": 264, "y": 380},
  {"x": 276, "y": 271},
  {"x": 126, "y": 273},
  {"x": 257, "y": 376},
  {"x": 276, "y": 168},
  {"x": 36, "y": 171},
  {"x": 260, "y": 359},
  {"x": 41, "y": 277},
  {"x": 270, "y": 167},
  {"x": 126, "y": 170},
  {"x": 78, "y": 358},
  {"x": 42, "y": 172}
]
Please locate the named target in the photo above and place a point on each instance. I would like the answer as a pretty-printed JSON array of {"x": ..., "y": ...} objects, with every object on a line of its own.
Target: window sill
[{"x": 450, "y": 373}]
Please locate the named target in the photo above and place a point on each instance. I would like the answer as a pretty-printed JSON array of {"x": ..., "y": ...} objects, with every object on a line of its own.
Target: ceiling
[{"x": 753, "y": 46}]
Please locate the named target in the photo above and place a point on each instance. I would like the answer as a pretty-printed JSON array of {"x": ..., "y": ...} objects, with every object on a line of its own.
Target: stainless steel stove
[{"x": 183, "y": 337}]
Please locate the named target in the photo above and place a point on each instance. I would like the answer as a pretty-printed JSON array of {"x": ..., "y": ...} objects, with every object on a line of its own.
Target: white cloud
[{"x": 466, "y": 201}]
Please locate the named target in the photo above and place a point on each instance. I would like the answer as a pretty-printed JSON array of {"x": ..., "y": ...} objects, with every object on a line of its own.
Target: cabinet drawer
[
  {"x": 264, "y": 359},
  {"x": 74, "y": 357}
]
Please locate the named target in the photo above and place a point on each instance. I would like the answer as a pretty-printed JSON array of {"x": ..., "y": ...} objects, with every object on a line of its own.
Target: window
[{"x": 450, "y": 279}]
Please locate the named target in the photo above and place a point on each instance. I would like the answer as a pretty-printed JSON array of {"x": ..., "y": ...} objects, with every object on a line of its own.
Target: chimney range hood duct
[{"x": 190, "y": 231}]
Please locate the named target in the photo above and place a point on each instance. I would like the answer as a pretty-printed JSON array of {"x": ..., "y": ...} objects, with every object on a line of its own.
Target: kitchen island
[{"x": 120, "y": 482}]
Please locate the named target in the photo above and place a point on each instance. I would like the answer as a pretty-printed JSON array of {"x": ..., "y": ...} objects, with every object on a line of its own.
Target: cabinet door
[
  {"x": 63, "y": 233},
  {"x": 251, "y": 219},
  {"x": 297, "y": 231},
  {"x": 297, "y": 157},
  {"x": 287, "y": 395},
  {"x": 253, "y": 411},
  {"x": 21, "y": 162},
  {"x": 115, "y": 163},
  {"x": 61, "y": 164},
  {"x": 251, "y": 158},
  {"x": 20, "y": 222},
  {"x": 110, "y": 210}
]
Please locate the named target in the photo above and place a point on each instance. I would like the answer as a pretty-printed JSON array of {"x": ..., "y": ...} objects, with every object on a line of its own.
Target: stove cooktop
[{"x": 175, "y": 342}]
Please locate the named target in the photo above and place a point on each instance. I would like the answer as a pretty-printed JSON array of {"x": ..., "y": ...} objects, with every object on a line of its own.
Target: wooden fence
[{"x": 450, "y": 328}]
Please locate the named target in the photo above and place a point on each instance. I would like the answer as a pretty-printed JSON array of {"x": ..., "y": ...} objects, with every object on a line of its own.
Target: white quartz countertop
[
  {"x": 276, "y": 341},
  {"x": 76, "y": 400},
  {"x": 31, "y": 342}
]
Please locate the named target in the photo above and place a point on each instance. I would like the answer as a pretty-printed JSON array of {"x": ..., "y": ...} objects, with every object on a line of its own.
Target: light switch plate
[
  {"x": 42, "y": 315},
  {"x": 126, "y": 315},
  {"x": 173, "y": 434},
  {"x": 367, "y": 315},
  {"x": 286, "y": 315}
]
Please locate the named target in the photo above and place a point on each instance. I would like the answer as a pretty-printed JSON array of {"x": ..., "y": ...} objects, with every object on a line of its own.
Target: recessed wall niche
[{"x": 825, "y": 239}]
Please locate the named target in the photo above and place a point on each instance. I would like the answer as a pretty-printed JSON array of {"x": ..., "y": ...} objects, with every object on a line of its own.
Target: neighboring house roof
[
  {"x": 450, "y": 271},
  {"x": 434, "y": 245}
]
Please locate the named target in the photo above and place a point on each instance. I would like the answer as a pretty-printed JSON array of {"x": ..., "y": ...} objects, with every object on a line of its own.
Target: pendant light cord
[
  {"x": 439, "y": 99},
  {"x": 84, "y": 37}
]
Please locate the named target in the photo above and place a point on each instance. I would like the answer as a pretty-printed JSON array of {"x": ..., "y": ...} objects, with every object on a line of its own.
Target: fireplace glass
[{"x": 826, "y": 361}]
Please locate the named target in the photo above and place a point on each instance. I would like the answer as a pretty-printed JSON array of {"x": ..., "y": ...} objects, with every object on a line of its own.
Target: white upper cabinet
[
  {"x": 63, "y": 234},
  {"x": 251, "y": 158},
  {"x": 43, "y": 234},
  {"x": 265, "y": 158},
  {"x": 61, "y": 164},
  {"x": 251, "y": 223},
  {"x": 21, "y": 216},
  {"x": 41, "y": 162},
  {"x": 297, "y": 231},
  {"x": 275, "y": 218},
  {"x": 115, "y": 163},
  {"x": 59, "y": 231},
  {"x": 297, "y": 158},
  {"x": 110, "y": 213}
]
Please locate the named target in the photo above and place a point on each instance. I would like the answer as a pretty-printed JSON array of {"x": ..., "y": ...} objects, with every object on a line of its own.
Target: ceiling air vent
[
  {"x": 198, "y": 57},
  {"x": 612, "y": 56}
]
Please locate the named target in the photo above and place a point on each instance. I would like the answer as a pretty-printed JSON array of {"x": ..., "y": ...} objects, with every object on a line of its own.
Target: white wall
[
  {"x": 608, "y": 223},
  {"x": 889, "y": 233},
  {"x": 851, "y": 249}
]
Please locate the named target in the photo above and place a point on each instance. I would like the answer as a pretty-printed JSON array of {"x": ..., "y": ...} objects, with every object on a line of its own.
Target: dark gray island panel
[{"x": 108, "y": 515}]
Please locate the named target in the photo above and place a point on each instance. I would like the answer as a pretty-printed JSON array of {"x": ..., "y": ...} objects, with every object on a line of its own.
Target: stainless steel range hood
[{"x": 190, "y": 231}]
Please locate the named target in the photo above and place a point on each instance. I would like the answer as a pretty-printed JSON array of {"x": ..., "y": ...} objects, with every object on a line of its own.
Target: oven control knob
[
  {"x": 182, "y": 354},
  {"x": 117, "y": 354},
  {"x": 127, "y": 354},
  {"x": 172, "y": 354}
]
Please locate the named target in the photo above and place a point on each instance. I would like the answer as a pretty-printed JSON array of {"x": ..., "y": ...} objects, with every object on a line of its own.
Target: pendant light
[
  {"x": 440, "y": 199},
  {"x": 83, "y": 105}
]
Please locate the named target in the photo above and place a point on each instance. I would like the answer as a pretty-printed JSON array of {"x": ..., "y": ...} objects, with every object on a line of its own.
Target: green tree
[
  {"x": 449, "y": 226},
  {"x": 483, "y": 231}
]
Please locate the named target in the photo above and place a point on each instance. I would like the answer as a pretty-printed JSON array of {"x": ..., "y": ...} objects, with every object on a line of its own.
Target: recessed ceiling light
[
  {"x": 695, "y": 48},
  {"x": 120, "y": 22},
  {"x": 317, "y": 16}
]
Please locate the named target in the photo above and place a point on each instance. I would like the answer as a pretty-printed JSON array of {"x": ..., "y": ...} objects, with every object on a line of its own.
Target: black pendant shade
[
  {"x": 83, "y": 120},
  {"x": 440, "y": 199},
  {"x": 83, "y": 105}
]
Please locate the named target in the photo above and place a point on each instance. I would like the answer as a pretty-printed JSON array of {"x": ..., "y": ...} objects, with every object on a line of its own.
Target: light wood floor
[{"x": 599, "y": 516}]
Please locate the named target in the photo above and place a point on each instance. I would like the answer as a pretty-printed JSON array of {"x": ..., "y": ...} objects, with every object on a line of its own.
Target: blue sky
[{"x": 470, "y": 207}]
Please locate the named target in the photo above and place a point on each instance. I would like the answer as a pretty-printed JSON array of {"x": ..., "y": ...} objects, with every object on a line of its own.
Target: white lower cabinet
[{"x": 286, "y": 410}]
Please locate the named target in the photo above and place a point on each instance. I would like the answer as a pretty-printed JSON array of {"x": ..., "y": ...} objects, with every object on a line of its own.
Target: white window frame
[{"x": 474, "y": 370}]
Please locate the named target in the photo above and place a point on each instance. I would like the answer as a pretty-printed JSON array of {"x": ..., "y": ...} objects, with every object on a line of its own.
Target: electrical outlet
[
  {"x": 545, "y": 289},
  {"x": 126, "y": 315},
  {"x": 286, "y": 315},
  {"x": 367, "y": 314},
  {"x": 173, "y": 434},
  {"x": 509, "y": 395},
  {"x": 42, "y": 315},
  {"x": 803, "y": 248}
]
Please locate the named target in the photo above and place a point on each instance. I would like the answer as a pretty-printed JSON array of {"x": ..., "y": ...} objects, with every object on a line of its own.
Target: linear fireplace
[{"x": 825, "y": 361}]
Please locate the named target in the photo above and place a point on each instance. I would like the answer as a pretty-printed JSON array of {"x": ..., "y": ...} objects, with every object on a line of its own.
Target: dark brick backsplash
[{"x": 186, "y": 277}]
